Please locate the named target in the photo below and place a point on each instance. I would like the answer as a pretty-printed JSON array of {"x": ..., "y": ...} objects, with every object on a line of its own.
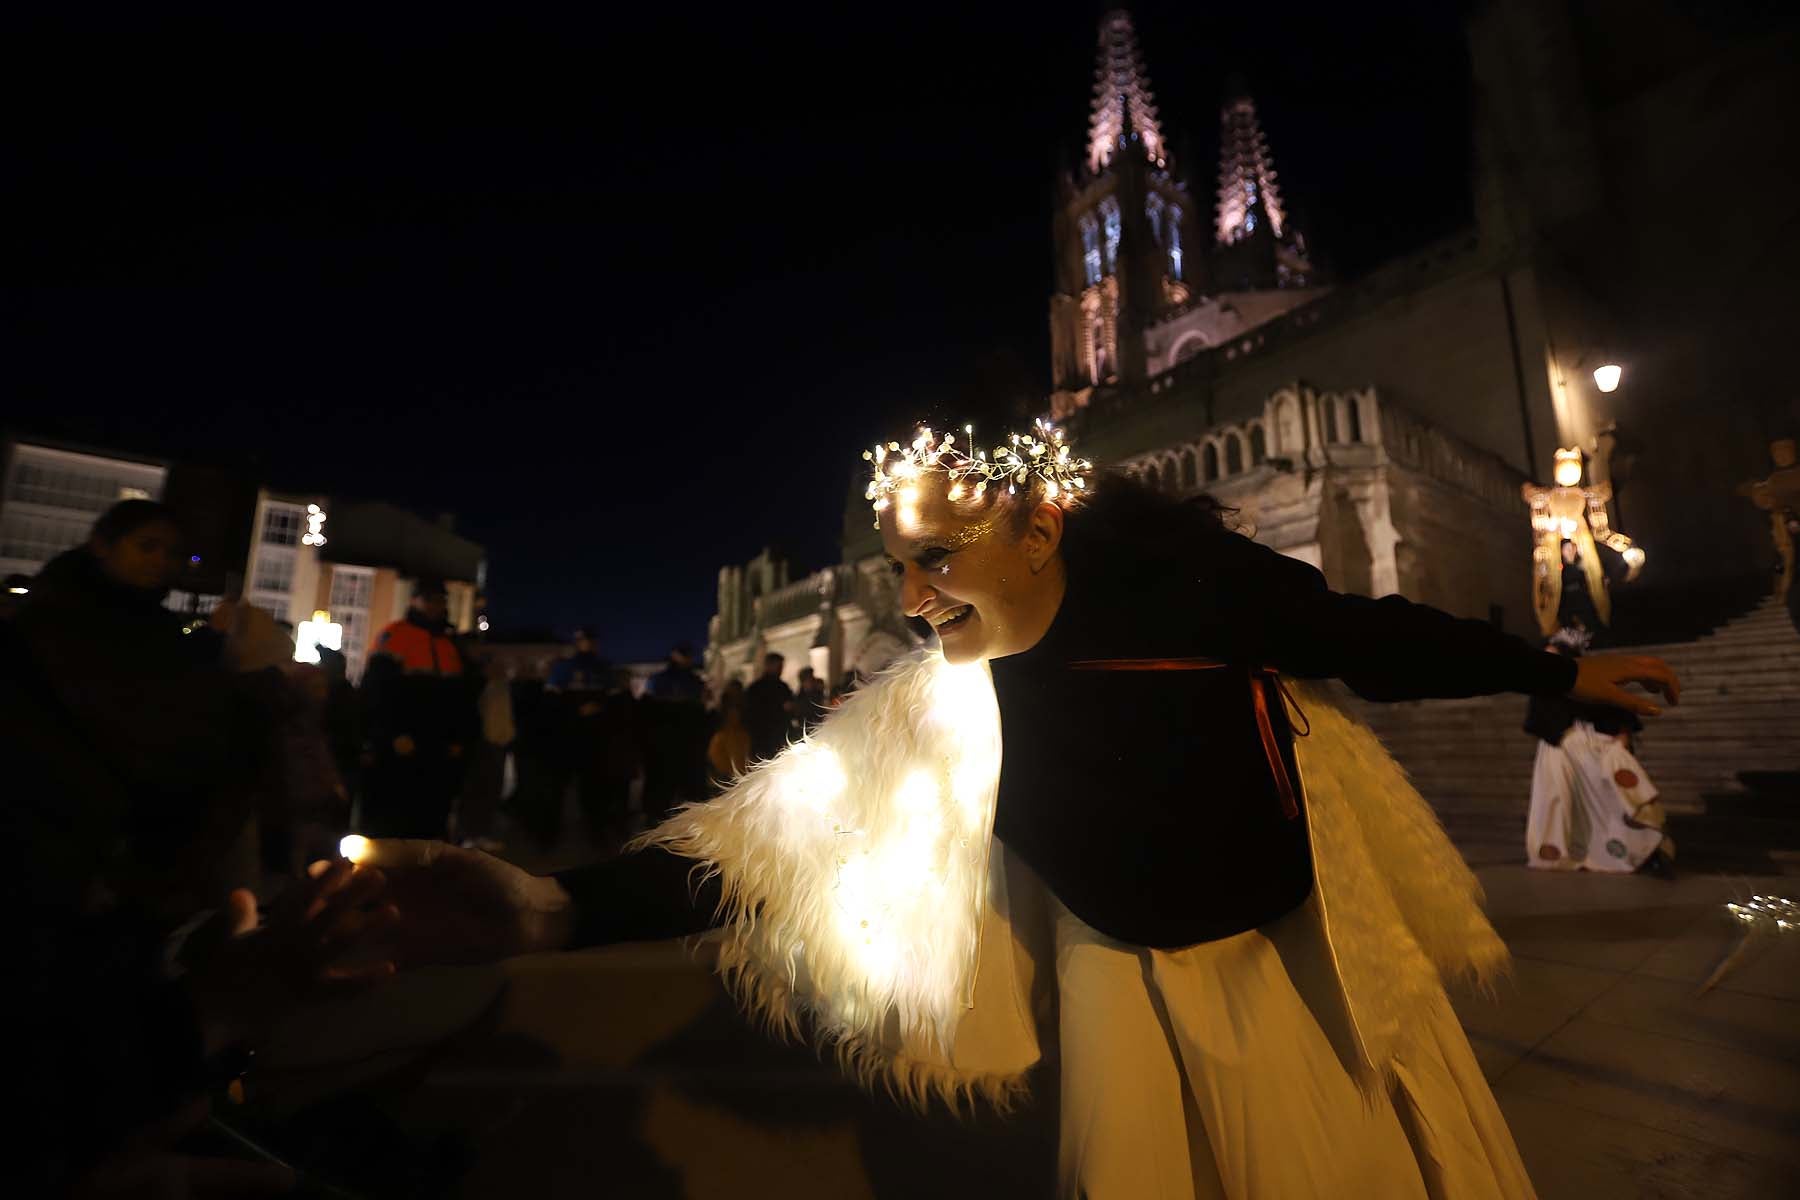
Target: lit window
[
  {"x": 1153, "y": 209},
  {"x": 1109, "y": 214},
  {"x": 281, "y": 525},
  {"x": 1175, "y": 240},
  {"x": 1090, "y": 247},
  {"x": 274, "y": 573}
]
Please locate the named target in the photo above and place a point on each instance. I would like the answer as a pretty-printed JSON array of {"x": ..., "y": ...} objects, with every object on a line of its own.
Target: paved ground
[
  {"x": 1620, "y": 1080},
  {"x": 626, "y": 1073}
]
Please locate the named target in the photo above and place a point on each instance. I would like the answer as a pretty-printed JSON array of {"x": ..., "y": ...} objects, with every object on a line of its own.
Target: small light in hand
[{"x": 354, "y": 846}]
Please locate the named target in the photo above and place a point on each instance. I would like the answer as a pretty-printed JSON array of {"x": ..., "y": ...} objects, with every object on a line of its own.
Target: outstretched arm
[
  {"x": 463, "y": 906},
  {"x": 1394, "y": 649}
]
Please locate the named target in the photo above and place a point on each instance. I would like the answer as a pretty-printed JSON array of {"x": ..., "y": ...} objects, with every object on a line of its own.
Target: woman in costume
[
  {"x": 1245, "y": 1003},
  {"x": 1593, "y": 806}
]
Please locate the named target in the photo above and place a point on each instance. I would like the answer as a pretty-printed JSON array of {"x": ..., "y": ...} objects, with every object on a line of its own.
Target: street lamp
[
  {"x": 1606, "y": 376},
  {"x": 320, "y": 631}
]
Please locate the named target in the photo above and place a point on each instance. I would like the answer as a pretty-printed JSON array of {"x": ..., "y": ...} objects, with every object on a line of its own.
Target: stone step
[
  {"x": 1427, "y": 765},
  {"x": 1737, "y": 651},
  {"x": 1692, "y": 724},
  {"x": 1725, "y": 649},
  {"x": 1777, "y": 684},
  {"x": 1740, "y": 689},
  {"x": 1677, "y": 748},
  {"x": 1761, "y": 677},
  {"x": 1714, "y": 736},
  {"x": 1503, "y": 777},
  {"x": 1728, "y": 644}
]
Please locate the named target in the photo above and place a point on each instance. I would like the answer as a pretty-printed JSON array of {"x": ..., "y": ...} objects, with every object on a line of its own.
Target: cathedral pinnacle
[
  {"x": 1246, "y": 175},
  {"x": 1123, "y": 103}
]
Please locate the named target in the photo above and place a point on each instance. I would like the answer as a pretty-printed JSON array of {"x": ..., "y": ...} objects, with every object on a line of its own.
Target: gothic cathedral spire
[
  {"x": 1123, "y": 103},
  {"x": 1246, "y": 174},
  {"x": 1262, "y": 247},
  {"x": 1123, "y": 232}
]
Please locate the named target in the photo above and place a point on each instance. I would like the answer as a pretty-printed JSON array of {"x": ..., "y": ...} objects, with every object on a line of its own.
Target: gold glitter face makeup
[{"x": 965, "y": 572}]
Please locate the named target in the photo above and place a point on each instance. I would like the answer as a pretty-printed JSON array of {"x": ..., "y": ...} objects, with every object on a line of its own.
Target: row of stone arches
[{"x": 1199, "y": 464}]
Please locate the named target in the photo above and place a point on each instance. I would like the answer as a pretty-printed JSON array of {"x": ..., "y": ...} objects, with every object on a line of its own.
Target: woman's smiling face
[{"x": 987, "y": 579}]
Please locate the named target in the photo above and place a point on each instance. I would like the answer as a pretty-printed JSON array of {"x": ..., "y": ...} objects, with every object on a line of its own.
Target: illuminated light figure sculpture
[
  {"x": 1779, "y": 496},
  {"x": 1575, "y": 513}
]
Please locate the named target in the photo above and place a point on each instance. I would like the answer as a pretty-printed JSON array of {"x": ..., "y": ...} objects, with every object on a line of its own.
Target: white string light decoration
[{"x": 1045, "y": 457}]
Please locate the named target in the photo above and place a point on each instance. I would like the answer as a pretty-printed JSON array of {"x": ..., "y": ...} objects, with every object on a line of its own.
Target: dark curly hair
[
  {"x": 128, "y": 516},
  {"x": 1124, "y": 523}
]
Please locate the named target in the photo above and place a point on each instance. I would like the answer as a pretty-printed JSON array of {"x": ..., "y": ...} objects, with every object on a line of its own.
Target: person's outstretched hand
[
  {"x": 243, "y": 975},
  {"x": 1601, "y": 679},
  {"x": 461, "y": 906}
]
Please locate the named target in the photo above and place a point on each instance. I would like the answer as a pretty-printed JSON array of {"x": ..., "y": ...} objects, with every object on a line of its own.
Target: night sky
[{"x": 626, "y": 293}]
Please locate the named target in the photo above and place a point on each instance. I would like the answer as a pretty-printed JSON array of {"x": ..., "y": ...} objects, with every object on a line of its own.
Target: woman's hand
[
  {"x": 1601, "y": 679},
  {"x": 463, "y": 906},
  {"x": 244, "y": 976}
]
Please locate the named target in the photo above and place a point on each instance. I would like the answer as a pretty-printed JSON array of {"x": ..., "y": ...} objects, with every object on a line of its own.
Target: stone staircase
[{"x": 1740, "y": 702}]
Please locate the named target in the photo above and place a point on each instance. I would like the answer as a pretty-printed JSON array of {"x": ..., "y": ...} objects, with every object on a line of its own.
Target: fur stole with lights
[{"x": 867, "y": 904}]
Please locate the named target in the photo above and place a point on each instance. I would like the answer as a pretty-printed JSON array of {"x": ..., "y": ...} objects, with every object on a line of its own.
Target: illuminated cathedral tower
[
  {"x": 1140, "y": 286},
  {"x": 1258, "y": 247},
  {"x": 1122, "y": 228}
]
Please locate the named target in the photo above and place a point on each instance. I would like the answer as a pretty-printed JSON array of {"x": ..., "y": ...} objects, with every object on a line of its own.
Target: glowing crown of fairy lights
[{"x": 1024, "y": 457}]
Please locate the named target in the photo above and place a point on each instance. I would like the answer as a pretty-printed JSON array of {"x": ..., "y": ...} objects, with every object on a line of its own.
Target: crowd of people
[{"x": 174, "y": 776}]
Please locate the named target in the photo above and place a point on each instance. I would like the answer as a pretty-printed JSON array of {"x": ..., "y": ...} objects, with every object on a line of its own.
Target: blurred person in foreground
[
  {"x": 180, "y": 710},
  {"x": 130, "y": 1010}
]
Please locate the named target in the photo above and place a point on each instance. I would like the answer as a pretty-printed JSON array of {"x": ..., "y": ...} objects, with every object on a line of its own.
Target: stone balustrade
[
  {"x": 1413, "y": 442},
  {"x": 1302, "y": 426},
  {"x": 804, "y": 597}
]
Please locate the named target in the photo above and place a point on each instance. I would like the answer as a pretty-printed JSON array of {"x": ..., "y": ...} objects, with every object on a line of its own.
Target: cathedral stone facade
[{"x": 1380, "y": 429}]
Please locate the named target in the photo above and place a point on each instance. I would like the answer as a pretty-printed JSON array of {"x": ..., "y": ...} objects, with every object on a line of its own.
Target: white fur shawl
[{"x": 866, "y": 901}]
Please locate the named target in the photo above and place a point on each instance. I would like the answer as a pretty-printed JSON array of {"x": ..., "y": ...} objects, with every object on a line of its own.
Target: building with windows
[
  {"x": 52, "y": 492},
  {"x": 359, "y": 563},
  {"x": 292, "y": 554},
  {"x": 1382, "y": 428}
]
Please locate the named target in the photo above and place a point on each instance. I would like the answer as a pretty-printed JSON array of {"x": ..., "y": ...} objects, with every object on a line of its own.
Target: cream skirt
[
  {"x": 1220, "y": 1071},
  {"x": 1592, "y": 806}
]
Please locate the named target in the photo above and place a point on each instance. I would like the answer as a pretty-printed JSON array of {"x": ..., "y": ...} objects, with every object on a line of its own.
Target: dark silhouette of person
[{"x": 768, "y": 706}]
